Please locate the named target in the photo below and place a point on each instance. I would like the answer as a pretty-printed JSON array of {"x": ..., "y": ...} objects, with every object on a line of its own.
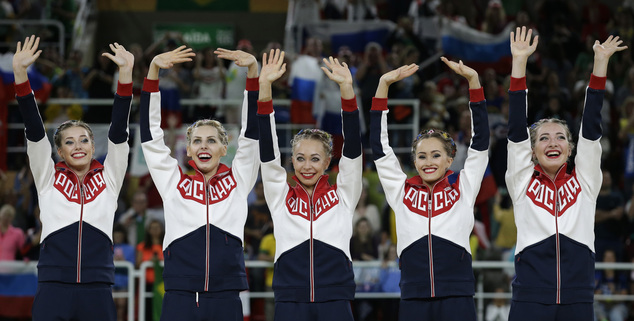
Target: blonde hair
[
  {"x": 222, "y": 132},
  {"x": 316, "y": 134},
  {"x": 57, "y": 137}
]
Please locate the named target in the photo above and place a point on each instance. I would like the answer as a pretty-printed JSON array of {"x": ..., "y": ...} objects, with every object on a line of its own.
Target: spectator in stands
[
  {"x": 25, "y": 193},
  {"x": 610, "y": 282},
  {"x": 11, "y": 237},
  {"x": 267, "y": 253},
  {"x": 626, "y": 138},
  {"x": 31, "y": 248},
  {"x": 235, "y": 77},
  {"x": 368, "y": 211},
  {"x": 390, "y": 278},
  {"x": 150, "y": 249},
  {"x": 258, "y": 221},
  {"x": 609, "y": 219},
  {"x": 494, "y": 18},
  {"x": 363, "y": 245},
  {"x": 123, "y": 251},
  {"x": 98, "y": 81},
  {"x": 368, "y": 74},
  {"x": 303, "y": 79},
  {"x": 625, "y": 90},
  {"x": 503, "y": 215},
  {"x": 137, "y": 218},
  {"x": 209, "y": 74},
  {"x": 498, "y": 309}
]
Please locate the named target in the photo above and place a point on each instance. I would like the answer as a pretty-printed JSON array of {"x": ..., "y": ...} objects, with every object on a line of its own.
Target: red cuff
[
  {"x": 23, "y": 89},
  {"x": 253, "y": 84},
  {"x": 518, "y": 84},
  {"x": 265, "y": 107},
  {"x": 124, "y": 89},
  {"x": 379, "y": 103},
  {"x": 349, "y": 105},
  {"x": 476, "y": 95},
  {"x": 597, "y": 82},
  {"x": 150, "y": 85}
]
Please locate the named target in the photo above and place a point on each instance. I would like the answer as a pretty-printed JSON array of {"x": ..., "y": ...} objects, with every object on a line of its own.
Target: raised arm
[
  {"x": 521, "y": 49},
  {"x": 339, "y": 73},
  {"x": 164, "y": 169},
  {"x": 241, "y": 58},
  {"x": 588, "y": 159},
  {"x": 116, "y": 161},
  {"x": 168, "y": 59},
  {"x": 350, "y": 166},
  {"x": 387, "y": 164},
  {"x": 591, "y": 119},
  {"x": 246, "y": 162},
  {"x": 273, "y": 174},
  {"x": 393, "y": 76},
  {"x": 273, "y": 67},
  {"x": 25, "y": 55},
  {"x": 477, "y": 154}
]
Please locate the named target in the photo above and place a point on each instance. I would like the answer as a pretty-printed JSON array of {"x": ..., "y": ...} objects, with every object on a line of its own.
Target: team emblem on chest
[
  {"x": 544, "y": 196},
  {"x": 301, "y": 207},
  {"x": 94, "y": 185},
  {"x": 218, "y": 190},
  {"x": 418, "y": 200}
]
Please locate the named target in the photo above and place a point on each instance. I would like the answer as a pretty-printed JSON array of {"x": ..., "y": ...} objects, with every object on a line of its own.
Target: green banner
[
  {"x": 198, "y": 36},
  {"x": 197, "y": 5}
]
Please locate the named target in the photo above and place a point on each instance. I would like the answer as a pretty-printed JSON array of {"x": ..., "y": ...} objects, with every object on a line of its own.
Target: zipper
[
  {"x": 311, "y": 254},
  {"x": 81, "y": 224},
  {"x": 557, "y": 243},
  {"x": 206, "y": 287},
  {"x": 429, "y": 243}
]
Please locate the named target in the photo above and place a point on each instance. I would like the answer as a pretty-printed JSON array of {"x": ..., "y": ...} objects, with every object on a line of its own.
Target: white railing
[{"x": 480, "y": 295}]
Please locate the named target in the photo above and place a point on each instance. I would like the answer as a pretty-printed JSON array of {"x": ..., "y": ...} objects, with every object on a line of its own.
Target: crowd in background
[{"x": 557, "y": 76}]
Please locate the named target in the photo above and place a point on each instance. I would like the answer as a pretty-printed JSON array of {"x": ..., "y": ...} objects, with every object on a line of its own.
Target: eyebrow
[
  {"x": 212, "y": 136},
  {"x": 71, "y": 137},
  {"x": 557, "y": 133},
  {"x": 313, "y": 154},
  {"x": 433, "y": 151}
]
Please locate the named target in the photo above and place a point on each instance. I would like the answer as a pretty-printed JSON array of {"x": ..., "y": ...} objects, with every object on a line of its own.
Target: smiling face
[
  {"x": 431, "y": 160},
  {"x": 76, "y": 148},
  {"x": 552, "y": 147},
  {"x": 310, "y": 161},
  {"x": 206, "y": 149}
]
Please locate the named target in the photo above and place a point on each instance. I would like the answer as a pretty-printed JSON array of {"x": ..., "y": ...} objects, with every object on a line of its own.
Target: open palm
[
  {"x": 273, "y": 66},
  {"x": 121, "y": 57},
  {"x": 460, "y": 68},
  {"x": 27, "y": 53},
  {"x": 400, "y": 73},
  {"x": 521, "y": 42},
  {"x": 340, "y": 72},
  {"x": 167, "y": 60},
  {"x": 241, "y": 58},
  {"x": 610, "y": 46}
]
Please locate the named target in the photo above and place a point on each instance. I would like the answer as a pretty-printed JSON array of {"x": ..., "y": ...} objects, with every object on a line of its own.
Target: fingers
[
  {"x": 18, "y": 47},
  {"x": 108, "y": 55},
  {"x": 264, "y": 62}
]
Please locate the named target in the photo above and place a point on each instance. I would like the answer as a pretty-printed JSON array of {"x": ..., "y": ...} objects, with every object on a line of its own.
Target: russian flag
[
  {"x": 353, "y": 35},
  {"x": 18, "y": 284},
  {"x": 304, "y": 77},
  {"x": 39, "y": 83},
  {"x": 477, "y": 49}
]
